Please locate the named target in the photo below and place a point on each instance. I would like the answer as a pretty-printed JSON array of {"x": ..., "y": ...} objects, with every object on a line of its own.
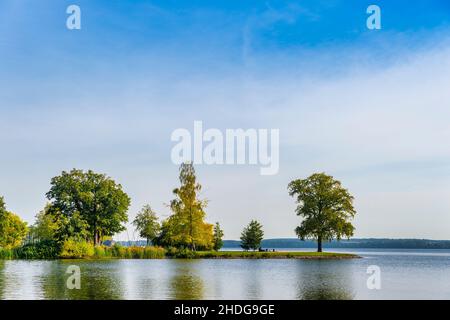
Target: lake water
[{"x": 405, "y": 274}]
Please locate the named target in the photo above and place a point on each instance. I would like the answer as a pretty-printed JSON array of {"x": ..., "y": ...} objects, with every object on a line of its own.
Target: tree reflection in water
[
  {"x": 253, "y": 284},
  {"x": 99, "y": 281},
  {"x": 2, "y": 281},
  {"x": 185, "y": 283},
  {"x": 324, "y": 280}
]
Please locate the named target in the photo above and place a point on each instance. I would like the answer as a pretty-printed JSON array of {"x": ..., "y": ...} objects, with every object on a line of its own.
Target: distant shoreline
[
  {"x": 356, "y": 243},
  {"x": 370, "y": 243}
]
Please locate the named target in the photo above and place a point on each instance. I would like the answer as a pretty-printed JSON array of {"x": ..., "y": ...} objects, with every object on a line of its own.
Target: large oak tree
[
  {"x": 92, "y": 203},
  {"x": 325, "y": 206}
]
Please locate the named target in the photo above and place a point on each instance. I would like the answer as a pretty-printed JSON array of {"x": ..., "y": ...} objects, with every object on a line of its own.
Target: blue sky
[{"x": 369, "y": 107}]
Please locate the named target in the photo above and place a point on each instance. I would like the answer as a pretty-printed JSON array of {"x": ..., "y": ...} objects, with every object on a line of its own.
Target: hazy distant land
[{"x": 352, "y": 243}]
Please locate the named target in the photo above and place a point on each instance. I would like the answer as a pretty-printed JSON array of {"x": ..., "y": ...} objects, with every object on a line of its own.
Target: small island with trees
[{"x": 86, "y": 209}]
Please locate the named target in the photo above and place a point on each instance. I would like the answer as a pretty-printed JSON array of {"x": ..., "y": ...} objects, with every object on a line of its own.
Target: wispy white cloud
[{"x": 375, "y": 115}]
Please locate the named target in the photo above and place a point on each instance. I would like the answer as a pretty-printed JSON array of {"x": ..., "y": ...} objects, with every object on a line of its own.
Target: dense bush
[
  {"x": 6, "y": 254},
  {"x": 73, "y": 249},
  {"x": 118, "y": 251},
  {"x": 46, "y": 249},
  {"x": 182, "y": 253}
]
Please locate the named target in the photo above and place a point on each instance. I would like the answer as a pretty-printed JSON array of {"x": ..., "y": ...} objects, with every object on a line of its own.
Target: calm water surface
[{"x": 405, "y": 274}]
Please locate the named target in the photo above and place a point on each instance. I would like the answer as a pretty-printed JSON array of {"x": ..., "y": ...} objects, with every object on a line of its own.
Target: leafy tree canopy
[
  {"x": 217, "y": 237},
  {"x": 186, "y": 226},
  {"x": 88, "y": 204},
  {"x": 325, "y": 207},
  {"x": 147, "y": 224},
  {"x": 2, "y": 206},
  {"x": 45, "y": 226},
  {"x": 12, "y": 229},
  {"x": 251, "y": 236}
]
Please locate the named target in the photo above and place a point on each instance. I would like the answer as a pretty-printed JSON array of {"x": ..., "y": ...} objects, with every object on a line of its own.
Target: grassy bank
[
  {"x": 117, "y": 252},
  {"x": 73, "y": 250}
]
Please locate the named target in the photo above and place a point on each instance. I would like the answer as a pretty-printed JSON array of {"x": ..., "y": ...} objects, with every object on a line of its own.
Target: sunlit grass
[{"x": 272, "y": 255}]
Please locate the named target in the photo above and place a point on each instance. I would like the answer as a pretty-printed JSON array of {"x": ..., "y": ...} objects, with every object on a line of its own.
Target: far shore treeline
[
  {"x": 86, "y": 209},
  {"x": 354, "y": 243}
]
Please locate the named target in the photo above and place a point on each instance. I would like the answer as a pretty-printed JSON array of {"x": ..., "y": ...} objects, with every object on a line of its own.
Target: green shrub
[
  {"x": 6, "y": 254},
  {"x": 108, "y": 253},
  {"x": 171, "y": 251},
  {"x": 117, "y": 251},
  {"x": 181, "y": 253},
  {"x": 46, "y": 249},
  {"x": 99, "y": 252},
  {"x": 73, "y": 249}
]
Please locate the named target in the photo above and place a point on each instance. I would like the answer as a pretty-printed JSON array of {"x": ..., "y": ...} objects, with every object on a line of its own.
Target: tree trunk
[
  {"x": 319, "y": 244},
  {"x": 191, "y": 229},
  {"x": 96, "y": 238}
]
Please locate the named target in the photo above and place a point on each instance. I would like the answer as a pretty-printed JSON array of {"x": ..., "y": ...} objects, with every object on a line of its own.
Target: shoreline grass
[
  {"x": 232, "y": 255},
  {"x": 99, "y": 253}
]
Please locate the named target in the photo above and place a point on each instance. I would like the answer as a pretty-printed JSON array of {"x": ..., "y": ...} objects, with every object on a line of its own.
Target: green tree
[
  {"x": 72, "y": 227},
  {"x": 167, "y": 235},
  {"x": 12, "y": 229},
  {"x": 146, "y": 223},
  {"x": 2, "y": 206},
  {"x": 3, "y": 214},
  {"x": 217, "y": 237},
  {"x": 252, "y": 235},
  {"x": 88, "y": 204},
  {"x": 186, "y": 226},
  {"x": 45, "y": 226},
  {"x": 325, "y": 207}
]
